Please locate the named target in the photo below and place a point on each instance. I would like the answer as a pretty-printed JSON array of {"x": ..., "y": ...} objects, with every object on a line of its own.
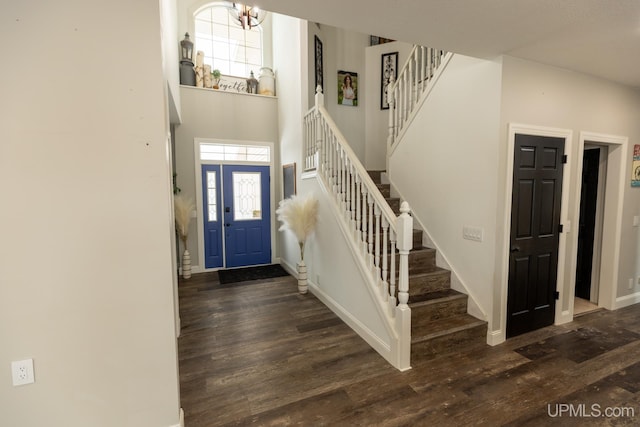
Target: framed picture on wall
[
  {"x": 289, "y": 180},
  {"x": 389, "y": 68},
  {"x": 348, "y": 88},
  {"x": 318, "y": 60}
]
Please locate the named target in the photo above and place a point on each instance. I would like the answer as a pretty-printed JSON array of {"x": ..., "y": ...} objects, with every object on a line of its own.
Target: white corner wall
[
  {"x": 208, "y": 113},
  {"x": 377, "y": 120},
  {"x": 86, "y": 255},
  {"x": 171, "y": 56},
  {"x": 289, "y": 49},
  {"x": 541, "y": 95},
  {"x": 446, "y": 168}
]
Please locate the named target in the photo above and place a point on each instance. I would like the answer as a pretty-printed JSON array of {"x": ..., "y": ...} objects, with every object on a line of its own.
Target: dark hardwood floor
[{"x": 258, "y": 353}]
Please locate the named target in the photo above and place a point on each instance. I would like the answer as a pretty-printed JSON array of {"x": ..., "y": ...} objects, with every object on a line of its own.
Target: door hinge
[
  {"x": 557, "y": 295},
  {"x": 560, "y": 228},
  {"x": 564, "y": 159}
]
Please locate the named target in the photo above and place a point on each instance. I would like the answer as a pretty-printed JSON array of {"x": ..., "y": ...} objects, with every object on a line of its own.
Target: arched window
[{"x": 226, "y": 46}]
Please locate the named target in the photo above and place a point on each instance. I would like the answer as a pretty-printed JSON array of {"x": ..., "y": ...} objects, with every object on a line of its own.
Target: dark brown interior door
[{"x": 535, "y": 233}]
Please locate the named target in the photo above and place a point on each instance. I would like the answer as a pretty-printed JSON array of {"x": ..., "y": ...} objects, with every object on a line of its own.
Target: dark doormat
[{"x": 251, "y": 273}]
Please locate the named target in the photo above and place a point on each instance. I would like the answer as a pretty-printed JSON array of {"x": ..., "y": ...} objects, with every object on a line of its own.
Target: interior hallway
[{"x": 257, "y": 353}]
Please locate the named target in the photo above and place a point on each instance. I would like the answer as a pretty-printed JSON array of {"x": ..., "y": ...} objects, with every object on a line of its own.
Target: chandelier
[{"x": 247, "y": 16}]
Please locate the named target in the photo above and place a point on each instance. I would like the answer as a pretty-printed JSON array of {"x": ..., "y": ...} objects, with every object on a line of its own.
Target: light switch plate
[{"x": 475, "y": 234}]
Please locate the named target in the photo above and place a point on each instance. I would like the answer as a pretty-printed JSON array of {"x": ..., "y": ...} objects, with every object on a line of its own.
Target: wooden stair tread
[
  {"x": 427, "y": 270},
  {"x": 440, "y": 327},
  {"x": 435, "y": 297}
]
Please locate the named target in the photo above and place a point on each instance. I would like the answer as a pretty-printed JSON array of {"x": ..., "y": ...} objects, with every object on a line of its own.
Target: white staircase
[{"x": 380, "y": 239}]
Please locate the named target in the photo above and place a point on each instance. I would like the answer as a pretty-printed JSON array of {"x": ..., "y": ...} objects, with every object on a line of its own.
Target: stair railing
[
  {"x": 376, "y": 232},
  {"x": 406, "y": 93}
]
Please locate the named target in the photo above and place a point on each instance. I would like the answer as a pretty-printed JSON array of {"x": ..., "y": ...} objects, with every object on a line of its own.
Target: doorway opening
[
  {"x": 607, "y": 222},
  {"x": 590, "y": 226}
]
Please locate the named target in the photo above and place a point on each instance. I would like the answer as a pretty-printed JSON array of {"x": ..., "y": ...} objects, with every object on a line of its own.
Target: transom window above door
[{"x": 226, "y": 45}]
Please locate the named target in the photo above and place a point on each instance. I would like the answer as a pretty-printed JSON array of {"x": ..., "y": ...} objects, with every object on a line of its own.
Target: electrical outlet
[{"x": 22, "y": 372}]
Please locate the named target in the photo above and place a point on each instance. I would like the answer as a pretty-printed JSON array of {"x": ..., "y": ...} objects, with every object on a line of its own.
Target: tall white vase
[
  {"x": 302, "y": 277},
  {"x": 186, "y": 264}
]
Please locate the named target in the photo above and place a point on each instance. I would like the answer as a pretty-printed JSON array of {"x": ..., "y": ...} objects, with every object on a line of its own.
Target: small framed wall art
[
  {"x": 318, "y": 60},
  {"x": 389, "y": 68}
]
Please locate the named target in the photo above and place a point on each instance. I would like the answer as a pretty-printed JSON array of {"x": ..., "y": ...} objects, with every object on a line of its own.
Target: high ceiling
[{"x": 597, "y": 37}]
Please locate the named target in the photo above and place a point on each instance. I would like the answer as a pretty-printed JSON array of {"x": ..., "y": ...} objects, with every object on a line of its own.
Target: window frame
[{"x": 210, "y": 57}]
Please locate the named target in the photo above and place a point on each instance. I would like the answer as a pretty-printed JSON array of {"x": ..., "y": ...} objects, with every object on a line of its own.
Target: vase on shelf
[
  {"x": 302, "y": 277},
  {"x": 267, "y": 84}
]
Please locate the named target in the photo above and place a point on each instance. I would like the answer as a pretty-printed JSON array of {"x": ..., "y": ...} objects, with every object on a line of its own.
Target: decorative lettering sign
[{"x": 233, "y": 84}]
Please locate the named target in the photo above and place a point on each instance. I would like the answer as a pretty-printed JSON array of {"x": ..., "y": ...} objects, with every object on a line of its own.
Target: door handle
[
  {"x": 226, "y": 225},
  {"x": 227, "y": 209},
  {"x": 515, "y": 249}
]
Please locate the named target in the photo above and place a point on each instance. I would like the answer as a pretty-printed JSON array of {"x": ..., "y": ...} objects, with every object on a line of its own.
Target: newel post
[
  {"x": 391, "y": 101},
  {"x": 404, "y": 225},
  {"x": 319, "y": 155},
  {"x": 319, "y": 96}
]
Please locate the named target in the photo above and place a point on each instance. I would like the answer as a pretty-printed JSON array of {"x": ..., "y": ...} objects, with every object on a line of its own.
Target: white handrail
[
  {"x": 376, "y": 232},
  {"x": 405, "y": 95}
]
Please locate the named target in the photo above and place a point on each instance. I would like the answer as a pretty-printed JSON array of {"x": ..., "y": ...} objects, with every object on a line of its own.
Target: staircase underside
[{"x": 439, "y": 320}]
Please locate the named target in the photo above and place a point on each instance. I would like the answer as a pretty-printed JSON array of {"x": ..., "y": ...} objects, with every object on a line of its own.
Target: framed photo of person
[
  {"x": 318, "y": 60},
  {"x": 348, "y": 88},
  {"x": 389, "y": 68}
]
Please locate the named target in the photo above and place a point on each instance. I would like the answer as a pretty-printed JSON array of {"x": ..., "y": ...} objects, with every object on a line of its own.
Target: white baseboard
[
  {"x": 495, "y": 337},
  {"x": 383, "y": 348},
  {"x": 627, "y": 300},
  {"x": 289, "y": 268},
  {"x": 565, "y": 317},
  {"x": 181, "y": 422}
]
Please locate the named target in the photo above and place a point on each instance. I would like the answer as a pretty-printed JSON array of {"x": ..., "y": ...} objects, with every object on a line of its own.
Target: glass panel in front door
[{"x": 247, "y": 197}]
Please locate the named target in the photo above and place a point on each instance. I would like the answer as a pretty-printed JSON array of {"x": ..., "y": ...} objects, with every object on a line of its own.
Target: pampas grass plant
[
  {"x": 300, "y": 215},
  {"x": 183, "y": 207}
]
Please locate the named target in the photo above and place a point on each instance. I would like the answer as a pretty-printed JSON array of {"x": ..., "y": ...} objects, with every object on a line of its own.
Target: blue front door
[
  {"x": 247, "y": 216},
  {"x": 211, "y": 190},
  {"x": 244, "y": 193}
]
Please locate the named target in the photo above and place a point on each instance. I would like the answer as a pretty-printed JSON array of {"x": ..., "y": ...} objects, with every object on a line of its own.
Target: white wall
[
  {"x": 334, "y": 273},
  {"x": 446, "y": 169},
  {"x": 376, "y": 119},
  {"x": 208, "y": 113},
  {"x": 292, "y": 76},
  {"x": 536, "y": 94},
  {"x": 343, "y": 50},
  {"x": 171, "y": 56},
  {"x": 85, "y": 264}
]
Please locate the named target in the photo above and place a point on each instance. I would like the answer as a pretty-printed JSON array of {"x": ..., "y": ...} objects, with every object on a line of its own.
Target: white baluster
[
  {"x": 352, "y": 209},
  {"x": 390, "y": 96},
  {"x": 376, "y": 260},
  {"x": 370, "y": 230},
  {"x": 385, "y": 243},
  {"x": 358, "y": 233},
  {"x": 429, "y": 63},
  {"x": 364, "y": 219}
]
